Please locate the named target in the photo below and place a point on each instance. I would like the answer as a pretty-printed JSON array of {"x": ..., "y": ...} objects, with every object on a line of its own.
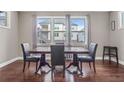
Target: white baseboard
[
  {"x": 113, "y": 59},
  {"x": 10, "y": 61},
  {"x": 98, "y": 58},
  {"x": 20, "y": 58},
  {"x": 120, "y": 61}
]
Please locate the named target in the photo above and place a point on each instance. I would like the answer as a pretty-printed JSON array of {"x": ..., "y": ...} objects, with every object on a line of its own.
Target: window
[
  {"x": 43, "y": 29},
  {"x": 78, "y": 31},
  {"x": 59, "y": 30},
  {"x": 4, "y": 19},
  {"x": 53, "y": 29},
  {"x": 121, "y": 21}
]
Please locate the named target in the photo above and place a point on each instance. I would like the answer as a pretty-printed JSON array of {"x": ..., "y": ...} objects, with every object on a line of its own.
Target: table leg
[{"x": 75, "y": 62}]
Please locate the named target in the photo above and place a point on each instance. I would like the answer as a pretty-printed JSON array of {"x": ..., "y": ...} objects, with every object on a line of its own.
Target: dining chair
[
  {"x": 28, "y": 57},
  {"x": 57, "y": 56},
  {"x": 90, "y": 57}
]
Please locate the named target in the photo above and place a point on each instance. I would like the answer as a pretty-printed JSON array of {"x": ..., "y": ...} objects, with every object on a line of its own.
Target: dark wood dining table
[{"x": 67, "y": 50}]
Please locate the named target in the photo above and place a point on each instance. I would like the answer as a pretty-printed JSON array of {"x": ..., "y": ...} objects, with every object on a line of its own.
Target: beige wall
[
  {"x": 117, "y": 36},
  {"x": 22, "y": 27},
  {"x": 25, "y": 29},
  {"x": 99, "y": 26},
  {"x": 9, "y": 40},
  {"x": 100, "y": 30}
]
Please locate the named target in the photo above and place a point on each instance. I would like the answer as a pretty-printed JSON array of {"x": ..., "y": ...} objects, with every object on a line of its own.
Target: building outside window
[{"x": 59, "y": 30}]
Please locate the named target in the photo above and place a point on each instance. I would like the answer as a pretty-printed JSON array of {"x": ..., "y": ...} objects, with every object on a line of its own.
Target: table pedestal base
[
  {"x": 43, "y": 63},
  {"x": 75, "y": 61}
]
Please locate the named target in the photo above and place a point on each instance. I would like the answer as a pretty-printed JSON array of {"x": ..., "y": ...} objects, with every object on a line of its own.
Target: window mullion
[
  {"x": 52, "y": 30},
  {"x": 68, "y": 33}
]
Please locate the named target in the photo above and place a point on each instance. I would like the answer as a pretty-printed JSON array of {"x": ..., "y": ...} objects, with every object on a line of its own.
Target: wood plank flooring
[{"x": 105, "y": 73}]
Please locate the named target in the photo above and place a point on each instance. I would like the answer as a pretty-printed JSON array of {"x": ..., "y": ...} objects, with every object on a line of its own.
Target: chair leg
[
  {"x": 78, "y": 68},
  {"x": 90, "y": 65},
  {"x": 28, "y": 64},
  {"x": 117, "y": 56},
  {"x": 81, "y": 68},
  {"x": 24, "y": 66},
  {"x": 103, "y": 55},
  {"x": 117, "y": 59},
  {"x": 109, "y": 56},
  {"x": 63, "y": 71},
  {"x": 36, "y": 66},
  {"x": 94, "y": 67}
]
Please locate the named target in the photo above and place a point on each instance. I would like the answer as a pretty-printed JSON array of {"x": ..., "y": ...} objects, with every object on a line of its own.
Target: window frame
[
  {"x": 8, "y": 17},
  {"x": 85, "y": 43}
]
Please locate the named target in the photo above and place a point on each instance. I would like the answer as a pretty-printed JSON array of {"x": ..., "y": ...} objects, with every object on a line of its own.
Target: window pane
[
  {"x": 77, "y": 31},
  {"x": 43, "y": 37},
  {"x": 59, "y": 24},
  {"x": 78, "y": 36},
  {"x": 59, "y": 35},
  {"x": 77, "y": 24},
  {"x": 3, "y": 18},
  {"x": 43, "y": 24},
  {"x": 43, "y": 31},
  {"x": 59, "y": 30}
]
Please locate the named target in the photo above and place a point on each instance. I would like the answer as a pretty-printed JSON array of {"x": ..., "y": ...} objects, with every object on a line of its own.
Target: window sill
[{"x": 5, "y": 27}]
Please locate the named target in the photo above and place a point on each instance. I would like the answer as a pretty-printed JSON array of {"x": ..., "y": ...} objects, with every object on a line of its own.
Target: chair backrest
[
  {"x": 57, "y": 55},
  {"x": 92, "y": 50},
  {"x": 25, "y": 49},
  {"x": 59, "y": 43}
]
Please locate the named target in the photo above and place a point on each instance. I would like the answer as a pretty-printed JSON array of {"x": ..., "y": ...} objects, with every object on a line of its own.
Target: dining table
[{"x": 67, "y": 50}]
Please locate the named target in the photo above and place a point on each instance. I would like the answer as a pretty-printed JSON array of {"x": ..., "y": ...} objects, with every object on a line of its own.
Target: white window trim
[{"x": 8, "y": 21}]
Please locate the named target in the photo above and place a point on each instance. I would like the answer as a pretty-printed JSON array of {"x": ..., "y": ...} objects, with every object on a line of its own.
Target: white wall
[
  {"x": 99, "y": 26},
  {"x": 117, "y": 36},
  {"x": 9, "y": 40}
]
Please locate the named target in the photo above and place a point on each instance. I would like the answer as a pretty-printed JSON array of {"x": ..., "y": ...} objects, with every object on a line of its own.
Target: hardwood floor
[{"x": 105, "y": 73}]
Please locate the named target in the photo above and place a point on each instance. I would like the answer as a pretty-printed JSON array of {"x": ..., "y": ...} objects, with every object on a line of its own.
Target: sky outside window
[{"x": 78, "y": 24}]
